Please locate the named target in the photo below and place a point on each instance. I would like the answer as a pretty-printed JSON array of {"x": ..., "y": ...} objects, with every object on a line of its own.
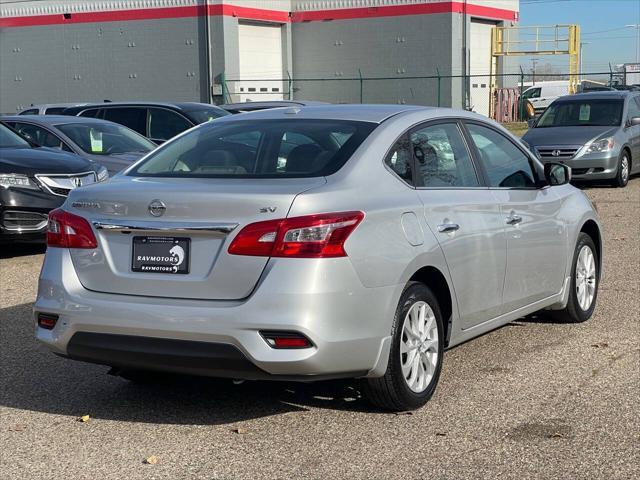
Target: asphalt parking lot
[{"x": 534, "y": 399}]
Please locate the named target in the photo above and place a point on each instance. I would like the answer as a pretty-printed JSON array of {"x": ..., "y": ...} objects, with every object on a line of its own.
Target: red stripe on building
[
  {"x": 258, "y": 14},
  {"x": 146, "y": 14},
  {"x": 400, "y": 10}
]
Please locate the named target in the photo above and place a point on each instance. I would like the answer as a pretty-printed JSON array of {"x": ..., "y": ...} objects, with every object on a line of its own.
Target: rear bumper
[
  {"x": 348, "y": 324},
  {"x": 177, "y": 356}
]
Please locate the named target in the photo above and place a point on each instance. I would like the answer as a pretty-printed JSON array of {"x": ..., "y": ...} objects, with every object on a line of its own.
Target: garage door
[
  {"x": 260, "y": 48},
  {"x": 480, "y": 53}
]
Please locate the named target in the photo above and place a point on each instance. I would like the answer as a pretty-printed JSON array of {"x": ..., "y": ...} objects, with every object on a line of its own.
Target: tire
[
  {"x": 392, "y": 391},
  {"x": 624, "y": 168},
  {"x": 575, "y": 312}
]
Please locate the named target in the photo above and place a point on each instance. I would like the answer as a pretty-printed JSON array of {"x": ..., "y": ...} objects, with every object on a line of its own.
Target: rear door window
[
  {"x": 399, "y": 159},
  {"x": 272, "y": 149},
  {"x": 54, "y": 110},
  {"x": 442, "y": 158},
  {"x": 165, "y": 124},
  {"x": 133, "y": 117},
  {"x": 92, "y": 113}
]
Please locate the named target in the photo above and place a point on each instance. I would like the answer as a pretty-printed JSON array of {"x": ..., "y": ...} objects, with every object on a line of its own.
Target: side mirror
[
  {"x": 557, "y": 173},
  {"x": 634, "y": 121},
  {"x": 533, "y": 121}
]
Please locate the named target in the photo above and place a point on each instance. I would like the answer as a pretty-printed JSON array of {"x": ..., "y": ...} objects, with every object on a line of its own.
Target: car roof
[
  {"x": 356, "y": 112},
  {"x": 53, "y": 105},
  {"x": 51, "y": 119},
  {"x": 599, "y": 95},
  {"x": 268, "y": 104},
  {"x": 178, "y": 105}
]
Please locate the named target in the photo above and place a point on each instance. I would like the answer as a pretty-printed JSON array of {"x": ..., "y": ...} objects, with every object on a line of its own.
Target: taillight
[
  {"x": 67, "y": 230},
  {"x": 312, "y": 236}
]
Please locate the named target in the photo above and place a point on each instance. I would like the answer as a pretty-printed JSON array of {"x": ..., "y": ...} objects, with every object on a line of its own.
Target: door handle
[
  {"x": 514, "y": 219},
  {"x": 448, "y": 227}
]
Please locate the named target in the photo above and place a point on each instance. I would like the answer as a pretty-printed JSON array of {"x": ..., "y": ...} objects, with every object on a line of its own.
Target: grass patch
[{"x": 517, "y": 128}]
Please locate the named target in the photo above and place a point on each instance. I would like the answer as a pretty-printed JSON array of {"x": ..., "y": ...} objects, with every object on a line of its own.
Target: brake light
[
  {"x": 66, "y": 230},
  {"x": 310, "y": 236}
]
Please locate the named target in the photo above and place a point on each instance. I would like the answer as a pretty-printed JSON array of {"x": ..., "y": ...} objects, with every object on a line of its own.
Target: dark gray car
[
  {"x": 110, "y": 144},
  {"x": 596, "y": 134}
]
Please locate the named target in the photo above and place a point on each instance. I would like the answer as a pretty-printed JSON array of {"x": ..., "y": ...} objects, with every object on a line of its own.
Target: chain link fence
[{"x": 506, "y": 97}]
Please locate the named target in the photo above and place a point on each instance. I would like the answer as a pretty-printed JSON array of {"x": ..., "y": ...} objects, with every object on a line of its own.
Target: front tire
[
  {"x": 585, "y": 279},
  {"x": 624, "y": 170},
  {"x": 415, "y": 359}
]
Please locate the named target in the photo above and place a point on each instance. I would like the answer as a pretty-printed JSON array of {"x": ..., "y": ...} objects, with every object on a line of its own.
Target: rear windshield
[
  {"x": 576, "y": 113},
  {"x": 258, "y": 149}
]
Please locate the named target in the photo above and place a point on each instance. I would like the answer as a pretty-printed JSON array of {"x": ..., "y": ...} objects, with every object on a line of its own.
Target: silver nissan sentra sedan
[{"x": 356, "y": 241}]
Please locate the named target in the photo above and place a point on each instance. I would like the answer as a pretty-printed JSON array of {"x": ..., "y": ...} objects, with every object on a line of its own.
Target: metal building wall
[
  {"x": 150, "y": 59},
  {"x": 381, "y": 38},
  {"x": 398, "y": 47},
  {"x": 166, "y": 58}
]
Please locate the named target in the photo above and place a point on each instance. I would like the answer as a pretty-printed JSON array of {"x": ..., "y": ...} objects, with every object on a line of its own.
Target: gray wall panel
[
  {"x": 147, "y": 60},
  {"x": 380, "y": 47}
]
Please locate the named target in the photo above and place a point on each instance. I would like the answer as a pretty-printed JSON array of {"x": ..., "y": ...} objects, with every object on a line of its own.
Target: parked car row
[
  {"x": 47, "y": 150},
  {"x": 596, "y": 134}
]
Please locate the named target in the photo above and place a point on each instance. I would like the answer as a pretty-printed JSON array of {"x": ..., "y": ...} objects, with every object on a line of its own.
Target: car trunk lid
[{"x": 192, "y": 233}]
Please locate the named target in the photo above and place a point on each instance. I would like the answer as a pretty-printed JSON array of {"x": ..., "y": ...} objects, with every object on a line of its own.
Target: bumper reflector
[
  {"x": 286, "y": 340},
  {"x": 47, "y": 320}
]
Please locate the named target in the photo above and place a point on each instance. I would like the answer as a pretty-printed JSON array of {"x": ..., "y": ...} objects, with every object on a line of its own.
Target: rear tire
[
  {"x": 585, "y": 280},
  {"x": 415, "y": 359},
  {"x": 624, "y": 169}
]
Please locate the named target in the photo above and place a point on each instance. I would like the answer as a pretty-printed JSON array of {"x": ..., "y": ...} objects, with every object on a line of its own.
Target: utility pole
[
  {"x": 534, "y": 62},
  {"x": 637, "y": 27}
]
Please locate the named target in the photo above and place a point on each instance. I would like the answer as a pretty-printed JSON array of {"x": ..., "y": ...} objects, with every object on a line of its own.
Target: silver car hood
[{"x": 566, "y": 135}]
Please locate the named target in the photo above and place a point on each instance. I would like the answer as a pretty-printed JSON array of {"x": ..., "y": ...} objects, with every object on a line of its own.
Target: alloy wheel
[
  {"x": 419, "y": 346},
  {"x": 624, "y": 169},
  {"x": 585, "y": 277}
]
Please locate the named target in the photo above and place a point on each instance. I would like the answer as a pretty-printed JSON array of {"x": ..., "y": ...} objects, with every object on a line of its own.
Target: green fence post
[
  {"x": 439, "y": 84},
  {"x": 521, "y": 100},
  {"x": 610, "y": 75},
  {"x": 223, "y": 79},
  {"x": 361, "y": 84},
  {"x": 290, "y": 85}
]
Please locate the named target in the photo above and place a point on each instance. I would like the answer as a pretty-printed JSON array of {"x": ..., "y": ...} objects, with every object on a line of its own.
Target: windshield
[
  {"x": 10, "y": 139},
  {"x": 258, "y": 149},
  {"x": 576, "y": 113},
  {"x": 532, "y": 93},
  {"x": 106, "y": 139},
  {"x": 206, "y": 114}
]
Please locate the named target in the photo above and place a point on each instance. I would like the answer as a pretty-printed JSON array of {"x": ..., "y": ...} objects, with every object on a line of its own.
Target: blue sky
[{"x": 603, "y": 27}]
